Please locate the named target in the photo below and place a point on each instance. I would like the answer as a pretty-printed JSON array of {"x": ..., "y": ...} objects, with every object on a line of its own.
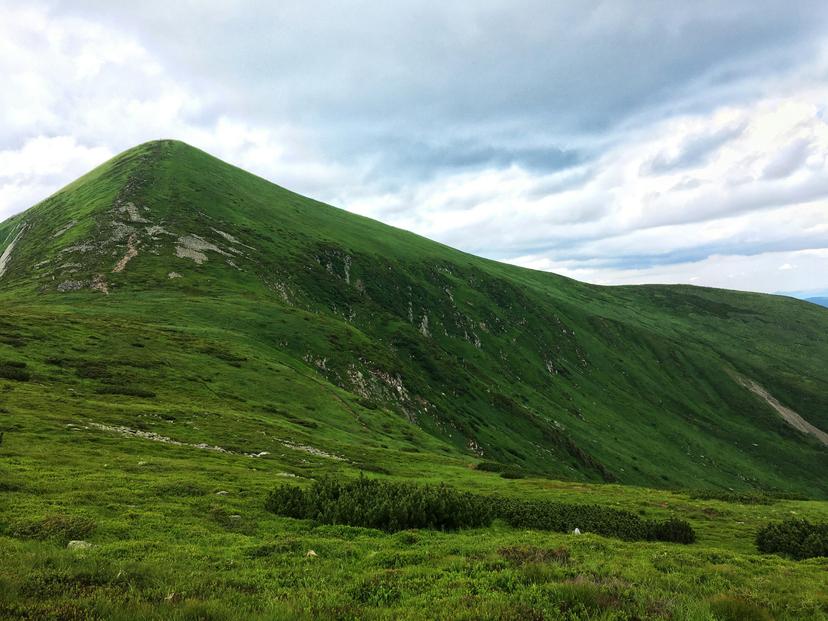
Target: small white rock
[
  {"x": 577, "y": 531},
  {"x": 79, "y": 545}
]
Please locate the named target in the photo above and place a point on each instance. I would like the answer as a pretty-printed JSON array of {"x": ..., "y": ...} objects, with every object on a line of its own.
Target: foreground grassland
[{"x": 168, "y": 542}]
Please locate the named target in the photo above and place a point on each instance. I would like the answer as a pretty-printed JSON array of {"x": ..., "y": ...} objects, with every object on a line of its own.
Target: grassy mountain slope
[
  {"x": 177, "y": 337},
  {"x": 166, "y": 283}
]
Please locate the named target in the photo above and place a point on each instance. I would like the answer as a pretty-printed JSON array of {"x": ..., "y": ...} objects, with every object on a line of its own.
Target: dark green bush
[
  {"x": 755, "y": 497},
  {"x": 513, "y": 473},
  {"x": 394, "y": 506},
  {"x": 798, "y": 539},
  {"x": 675, "y": 530},
  {"x": 562, "y": 517},
  {"x": 742, "y": 498},
  {"x": 490, "y": 466},
  {"x": 13, "y": 370},
  {"x": 384, "y": 505},
  {"x": 289, "y": 501}
]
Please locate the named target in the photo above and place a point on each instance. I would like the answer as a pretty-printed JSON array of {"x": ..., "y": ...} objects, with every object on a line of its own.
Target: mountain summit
[{"x": 237, "y": 314}]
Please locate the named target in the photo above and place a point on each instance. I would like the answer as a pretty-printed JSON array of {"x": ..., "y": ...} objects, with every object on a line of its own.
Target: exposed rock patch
[
  {"x": 121, "y": 231},
  {"x": 186, "y": 253},
  {"x": 71, "y": 285},
  {"x": 81, "y": 248},
  {"x": 7, "y": 253},
  {"x": 99, "y": 284},
  {"x": 156, "y": 437},
  {"x": 64, "y": 229},
  {"x": 154, "y": 231},
  {"x": 791, "y": 417},
  {"x": 131, "y": 253},
  {"x": 311, "y": 450},
  {"x": 132, "y": 210},
  {"x": 231, "y": 238},
  {"x": 424, "y": 326},
  {"x": 193, "y": 247}
]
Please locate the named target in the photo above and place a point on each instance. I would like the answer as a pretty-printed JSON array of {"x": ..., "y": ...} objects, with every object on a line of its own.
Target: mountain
[
  {"x": 820, "y": 301},
  {"x": 171, "y": 296}
]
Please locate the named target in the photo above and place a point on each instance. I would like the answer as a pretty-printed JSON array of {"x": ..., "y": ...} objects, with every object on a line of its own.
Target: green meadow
[{"x": 179, "y": 337}]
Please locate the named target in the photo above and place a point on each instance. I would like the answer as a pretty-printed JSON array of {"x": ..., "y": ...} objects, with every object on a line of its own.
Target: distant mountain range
[{"x": 820, "y": 301}]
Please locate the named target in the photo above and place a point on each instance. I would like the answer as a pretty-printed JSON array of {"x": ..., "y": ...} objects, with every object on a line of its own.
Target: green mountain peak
[{"x": 302, "y": 322}]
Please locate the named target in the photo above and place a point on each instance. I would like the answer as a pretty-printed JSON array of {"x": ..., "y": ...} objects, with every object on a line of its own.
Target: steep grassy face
[{"x": 166, "y": 279}]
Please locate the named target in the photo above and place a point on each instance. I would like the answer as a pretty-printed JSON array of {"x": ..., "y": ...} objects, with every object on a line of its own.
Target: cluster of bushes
[
  {"x": 564, "y": 517},
  {"x": 393, "y": 506},
  {"x": 798, "y": 539},
  {"x": 384, "y": 505},
  {"x": 745, "y": 498}
]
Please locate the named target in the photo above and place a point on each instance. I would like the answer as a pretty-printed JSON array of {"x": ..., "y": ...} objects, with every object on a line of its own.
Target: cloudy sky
[{"x": 615, "y": 142}]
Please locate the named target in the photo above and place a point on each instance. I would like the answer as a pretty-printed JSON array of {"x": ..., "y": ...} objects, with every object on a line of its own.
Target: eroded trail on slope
[
  {"x": 4, "y": 258},
  {"x": 791, "y": 417},
  {"x": 155, "y": 437}
]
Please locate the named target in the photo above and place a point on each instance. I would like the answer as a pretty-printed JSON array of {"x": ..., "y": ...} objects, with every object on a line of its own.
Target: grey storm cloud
[
  {"x": 505, "y": 128},
  {"x": 360, "y": 72}
]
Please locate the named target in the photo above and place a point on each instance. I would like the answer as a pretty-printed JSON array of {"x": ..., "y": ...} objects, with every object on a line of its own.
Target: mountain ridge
[{"x": 529, "y": 370}]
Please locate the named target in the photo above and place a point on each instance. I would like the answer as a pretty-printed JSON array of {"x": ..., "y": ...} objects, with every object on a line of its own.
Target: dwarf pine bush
[
  {"x": 385, "y": 505},
  {"x": 798, "y": 539},
  {"x": 395, "y": 506}
]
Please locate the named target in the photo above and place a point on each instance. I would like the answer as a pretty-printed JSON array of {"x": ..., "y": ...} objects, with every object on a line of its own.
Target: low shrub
[
  {"x": 672, "y": 529},
  {"x": 385, "y": 505},
  {"x": 289, "y": 501},
  {"x": 394, "y": 506},
  {"x": 798, "y": 539},
  {"x": 490, "y": 466},
  {"x": 13, "y": 370},
  {"x": 564, "y": 517},
  {"x": 513, "y": 473},
  {"x": 742, "y": 498},
  {"x": 756, "y": 497},
  {"x": 506, "y": 471}
]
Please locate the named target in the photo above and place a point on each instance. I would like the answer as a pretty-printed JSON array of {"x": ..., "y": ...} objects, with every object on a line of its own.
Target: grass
[
  {"x": 167, "y": 545},
  {"x": 153, "y": 421}
]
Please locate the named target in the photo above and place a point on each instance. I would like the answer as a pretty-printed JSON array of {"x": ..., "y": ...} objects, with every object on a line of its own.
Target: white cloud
[
  {"x": 747, "y": 273},
  {"x": 524, "y": 135}
]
